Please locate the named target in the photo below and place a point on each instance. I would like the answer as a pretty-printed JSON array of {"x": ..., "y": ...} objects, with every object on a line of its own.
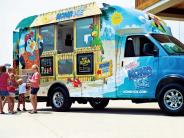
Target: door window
[{"x": 135, "y": 46}]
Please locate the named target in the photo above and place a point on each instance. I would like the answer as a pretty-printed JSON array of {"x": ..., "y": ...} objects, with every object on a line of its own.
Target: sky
[
  {"x": 13, "y": 11},
  {"x": 177, "y": 28}
]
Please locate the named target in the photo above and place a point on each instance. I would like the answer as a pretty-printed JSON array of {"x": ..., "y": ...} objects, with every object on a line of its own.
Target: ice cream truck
[{"x": 91, "y": 54}]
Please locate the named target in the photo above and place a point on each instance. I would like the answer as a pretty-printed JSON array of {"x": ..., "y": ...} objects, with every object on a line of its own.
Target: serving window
[
  {"x": 47, "y": 33},
  {"x": 65, "y": 37},
  {"x": 83, "y": 32}
]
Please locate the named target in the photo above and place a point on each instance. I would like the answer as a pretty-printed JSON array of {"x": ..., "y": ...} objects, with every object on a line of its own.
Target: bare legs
[
  {"x": 23, "y": 104},
  {"x": 1, "y": 105},
  {"x": 33, "y": 99},
  {"x": 4, "y": 102},
  {"x": 9, "y": 102},
  {"x": 21, "y": 100}
]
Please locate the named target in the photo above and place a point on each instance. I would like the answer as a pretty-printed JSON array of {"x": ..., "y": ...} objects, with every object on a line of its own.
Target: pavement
[{"x": 121, "y": 119}]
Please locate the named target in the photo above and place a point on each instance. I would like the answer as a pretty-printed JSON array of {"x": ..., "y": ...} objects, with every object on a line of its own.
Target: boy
[{"x": 22, "y": 91}]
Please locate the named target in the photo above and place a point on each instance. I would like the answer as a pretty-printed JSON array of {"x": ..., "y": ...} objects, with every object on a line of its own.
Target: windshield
[{"x": 170, "y": 44}]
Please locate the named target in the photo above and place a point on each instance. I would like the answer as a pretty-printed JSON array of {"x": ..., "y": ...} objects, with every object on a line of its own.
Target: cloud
[{"x": 132, "y": 26}]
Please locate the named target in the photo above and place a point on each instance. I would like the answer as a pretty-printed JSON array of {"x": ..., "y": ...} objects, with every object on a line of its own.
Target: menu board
[
  {"x": 104, "y": 69},
  {"x": 46, "y": 66},
  {"x": 85, "y": 64}
]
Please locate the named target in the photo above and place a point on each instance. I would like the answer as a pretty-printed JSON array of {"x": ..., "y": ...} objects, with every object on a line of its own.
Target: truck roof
[
  {"x": 122, "y": 20},
  {"x": 125, "y": 21},
  {"x": 72, "y": 13}
]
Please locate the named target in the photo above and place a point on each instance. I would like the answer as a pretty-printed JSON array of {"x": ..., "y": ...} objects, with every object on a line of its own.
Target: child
[
  {"x": 35, "y": 85},
  {"x": 10, "y": 71},
  {"x": 22, "y": 91},
  {"x": 12, "y": 85},
  {"x": 4, "y": 77}
]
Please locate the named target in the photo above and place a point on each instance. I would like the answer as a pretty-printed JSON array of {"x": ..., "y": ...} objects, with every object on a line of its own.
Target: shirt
[
  {"x": 4, "y": 77},
  {"x": 35, "y": 80},
  {"x": 22, "y": 88},
  {"x": 12, "y": 85}
]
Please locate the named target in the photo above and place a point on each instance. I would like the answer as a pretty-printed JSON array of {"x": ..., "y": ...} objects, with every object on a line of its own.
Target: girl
[
  {"x": 4, "y": 77},
  {"x": 11, "y": 89},
  {"x": 10, "y": 70},
  {"x": 35, "y": 82}
]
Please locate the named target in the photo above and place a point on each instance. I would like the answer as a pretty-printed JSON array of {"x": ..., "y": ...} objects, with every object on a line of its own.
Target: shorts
[
  {"x": 12, "y": 94},
  {"x": 21, "y": 98},
  {"x": 34, "y": 91},
  {"x": 4, "y": 93}
]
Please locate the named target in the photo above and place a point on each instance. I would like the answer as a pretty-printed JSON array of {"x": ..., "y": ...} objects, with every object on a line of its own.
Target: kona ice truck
[{"x": 91, "y": 54}]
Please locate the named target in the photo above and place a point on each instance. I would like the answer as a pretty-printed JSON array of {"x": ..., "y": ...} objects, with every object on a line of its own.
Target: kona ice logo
[
  {"x": 70, "y": 14},
  {"x": 139, "y": 73},
  {"x": 140, "y": 76}
]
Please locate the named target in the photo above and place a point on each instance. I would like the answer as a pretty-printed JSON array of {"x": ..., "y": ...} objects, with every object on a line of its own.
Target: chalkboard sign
[
  {"x": 46, "y": 66},
  {"x": 85, "y": 64}
]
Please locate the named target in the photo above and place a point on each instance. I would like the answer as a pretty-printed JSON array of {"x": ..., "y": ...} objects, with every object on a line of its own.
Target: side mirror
[{"x": 149, "y": 50}]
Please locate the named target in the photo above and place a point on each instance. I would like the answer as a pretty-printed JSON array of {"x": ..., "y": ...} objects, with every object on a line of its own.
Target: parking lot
[{"x": 121, "y": 119}]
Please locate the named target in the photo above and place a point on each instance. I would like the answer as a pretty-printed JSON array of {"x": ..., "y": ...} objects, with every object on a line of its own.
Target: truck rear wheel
[
  {"x": 99, "y": 103},
  {"x": 60, "y": 100},
  {"x": 171, "y": 99}
]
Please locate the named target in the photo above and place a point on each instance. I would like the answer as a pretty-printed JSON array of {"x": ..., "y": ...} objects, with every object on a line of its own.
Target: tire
[
  {"x": 99, "y": 103},
  {"x": 171, "y": 99},
  {"x": 60, "y": 100}
]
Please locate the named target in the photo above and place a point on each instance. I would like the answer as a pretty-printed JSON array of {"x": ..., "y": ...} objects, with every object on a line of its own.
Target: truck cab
[{"x": 153, "y": 63}]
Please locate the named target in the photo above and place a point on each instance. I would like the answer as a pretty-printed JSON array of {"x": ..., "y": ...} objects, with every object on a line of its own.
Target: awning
[
  {"x": 76, "y": 12},
  {"x": 167, "y": 9},
  {"x": 26, "y": 22}
]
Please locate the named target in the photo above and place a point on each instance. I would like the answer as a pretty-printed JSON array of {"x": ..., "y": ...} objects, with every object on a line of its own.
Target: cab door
[{"x": 139, "y": 68}]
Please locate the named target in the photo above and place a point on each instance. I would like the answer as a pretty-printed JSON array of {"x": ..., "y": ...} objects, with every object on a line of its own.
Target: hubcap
[
  {"x": 58, "y": 99},
  {"x": 173, "y": 99},
  {"x": 97, "y": 101}
]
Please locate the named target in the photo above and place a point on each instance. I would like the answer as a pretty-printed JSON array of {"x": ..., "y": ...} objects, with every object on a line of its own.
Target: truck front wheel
[
  {"x": 60, "y": 101},
  {"x": 99, "y": 103},
  {"x": 171, "y": 99}
]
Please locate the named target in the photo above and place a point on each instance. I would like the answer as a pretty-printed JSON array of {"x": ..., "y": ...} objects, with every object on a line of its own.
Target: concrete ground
[{"x": 121, "y": 119}]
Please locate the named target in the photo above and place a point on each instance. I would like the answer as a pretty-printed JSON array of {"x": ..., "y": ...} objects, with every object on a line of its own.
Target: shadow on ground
[{"x": 118, "y": 111}]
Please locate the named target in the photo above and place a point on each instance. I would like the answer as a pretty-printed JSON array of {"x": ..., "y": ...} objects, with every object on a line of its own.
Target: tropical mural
[
  {"x": 115, "y": 18},
  {"x": 29, "y": 49},
  {"x": 15, "y": 50}
]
